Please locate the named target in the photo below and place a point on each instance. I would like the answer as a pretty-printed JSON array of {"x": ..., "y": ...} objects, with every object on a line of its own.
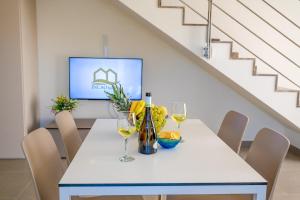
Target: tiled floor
[
  {"x": 16, "y": 183},
  {"x": 288, "y": 185}
]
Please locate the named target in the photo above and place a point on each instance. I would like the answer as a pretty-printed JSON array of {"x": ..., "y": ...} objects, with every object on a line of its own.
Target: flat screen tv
[{"x": 91, "y": 77}]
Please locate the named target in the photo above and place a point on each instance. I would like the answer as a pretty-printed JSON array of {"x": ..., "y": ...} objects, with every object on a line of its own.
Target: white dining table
[{"x": 203, "y": 164}]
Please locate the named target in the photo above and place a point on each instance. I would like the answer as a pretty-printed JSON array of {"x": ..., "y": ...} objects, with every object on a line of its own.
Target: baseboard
[{"x": 294, "y": 150}]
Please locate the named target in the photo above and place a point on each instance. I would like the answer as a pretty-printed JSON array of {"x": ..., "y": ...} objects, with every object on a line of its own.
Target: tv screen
[{"x": 91, "y": 77}]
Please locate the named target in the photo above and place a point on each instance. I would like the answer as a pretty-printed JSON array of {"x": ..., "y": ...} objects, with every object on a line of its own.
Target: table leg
[
  {"x": 163, "y": 197},
  {"x": 259, "y": 196},
  {"x": 63, "y": 195}
]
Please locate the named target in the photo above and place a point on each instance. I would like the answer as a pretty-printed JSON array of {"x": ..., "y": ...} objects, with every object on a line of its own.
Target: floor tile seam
[
  {"x": 290, "y": 170},
  {"x": 286, "y": 194},
  {"x": 19, "y": 196}
]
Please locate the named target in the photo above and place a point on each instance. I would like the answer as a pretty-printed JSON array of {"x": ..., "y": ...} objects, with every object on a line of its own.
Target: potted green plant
[{"x": 62, "y": 102}]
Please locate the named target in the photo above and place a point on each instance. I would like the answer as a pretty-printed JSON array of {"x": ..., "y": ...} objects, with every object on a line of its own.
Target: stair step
[
  {"x": 224, "y": 42},
  {"x": 266, "y": 75},
  {"x": 215, "y": 40},
  {"x": 254, "y": 70},
  {"x": 234, "y": 55},
  {"x": 283, "y": 89},
  {"x": 246, "y": 59},
  {"x": 162, "y": 6},
  {"x": 190, "y": 24}
]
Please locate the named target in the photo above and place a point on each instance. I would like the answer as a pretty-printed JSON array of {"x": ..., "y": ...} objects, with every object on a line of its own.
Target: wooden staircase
[
  {"x": 242, "y": 67},
  {"x": 235, "y": 55},
  {"x": 183, "y": 9}
]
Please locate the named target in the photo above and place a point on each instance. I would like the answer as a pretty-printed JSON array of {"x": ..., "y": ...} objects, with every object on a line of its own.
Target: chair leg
[{"x": 162, "y": 197}]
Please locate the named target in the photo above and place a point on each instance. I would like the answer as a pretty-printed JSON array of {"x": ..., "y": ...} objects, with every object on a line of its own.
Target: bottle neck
[{"x": 148, "y": 101}]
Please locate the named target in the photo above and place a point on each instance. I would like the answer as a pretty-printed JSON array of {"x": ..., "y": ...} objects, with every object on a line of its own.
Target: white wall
[
  {"x": 75, "y": 28},
  {"x": 11, "y": 105},
  {"x": 29, "y": 64},
  {"x": 18, "y": 75}
]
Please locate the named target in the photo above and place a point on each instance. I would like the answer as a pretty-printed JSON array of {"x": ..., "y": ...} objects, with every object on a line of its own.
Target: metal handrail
[
  {"x": 265, "y": 62},
  {"x": 257, "y": 15},
  {"x": 280, "y": 13},
  {"x": 251, "y": 52},
  {"x": 207, "y": 48},
  {"x": 208, "y": 30},
  {"x": 260, "y": 38}
]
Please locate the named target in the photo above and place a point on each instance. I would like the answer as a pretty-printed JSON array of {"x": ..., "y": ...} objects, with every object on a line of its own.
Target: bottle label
[{"x": 148, "y": 101}]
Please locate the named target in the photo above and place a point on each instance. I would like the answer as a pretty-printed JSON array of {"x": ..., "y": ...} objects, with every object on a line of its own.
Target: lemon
[{"x": 172, "y": 135}]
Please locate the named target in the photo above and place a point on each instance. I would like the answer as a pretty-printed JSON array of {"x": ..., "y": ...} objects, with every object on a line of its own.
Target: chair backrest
[
  {"x": 266, "y": 154},
  {"x": 44, "y": 161},
  {"x": 232, "y": 129},
  {"x": 69, "y": 133}
]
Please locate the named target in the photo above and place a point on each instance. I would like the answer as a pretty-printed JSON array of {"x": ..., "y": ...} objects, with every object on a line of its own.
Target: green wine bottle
[{"x": 147, "y": 133}]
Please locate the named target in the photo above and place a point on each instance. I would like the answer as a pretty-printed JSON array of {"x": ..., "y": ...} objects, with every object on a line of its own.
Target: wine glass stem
[
  {"x": 178, "y": 126},
  {"x": 126, "y": 140}
]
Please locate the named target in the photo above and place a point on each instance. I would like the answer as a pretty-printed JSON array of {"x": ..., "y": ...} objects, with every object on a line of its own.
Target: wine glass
[
  {"x": 178, "y": 113},
  {"x": 126, "y": 128}
]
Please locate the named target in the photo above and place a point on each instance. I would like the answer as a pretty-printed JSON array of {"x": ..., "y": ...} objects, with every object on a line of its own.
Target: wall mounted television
[{"x": 90, "y": 77}]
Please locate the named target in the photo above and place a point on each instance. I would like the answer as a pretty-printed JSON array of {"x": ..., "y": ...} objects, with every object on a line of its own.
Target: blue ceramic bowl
[{"x": 168, "y": 143}]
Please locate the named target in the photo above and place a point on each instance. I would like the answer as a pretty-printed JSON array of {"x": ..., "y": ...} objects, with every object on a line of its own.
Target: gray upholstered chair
[
  {"x": 69, "y": 133},
  {"x": 47, "y": 168},
  {"x": 232, "y": 129},
  {"x": 265, "y": 155}
]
